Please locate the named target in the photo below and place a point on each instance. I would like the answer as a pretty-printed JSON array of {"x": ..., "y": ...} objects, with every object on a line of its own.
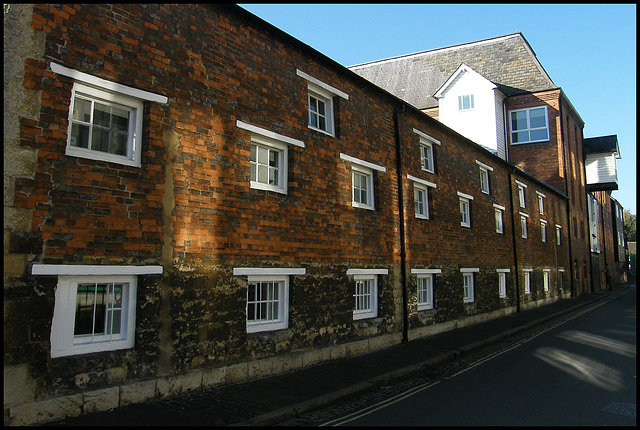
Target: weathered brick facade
[{"x": 190, "y": 210}]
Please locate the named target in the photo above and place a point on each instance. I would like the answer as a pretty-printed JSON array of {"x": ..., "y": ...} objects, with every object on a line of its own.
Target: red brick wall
[{"x": 190, "y": 208}]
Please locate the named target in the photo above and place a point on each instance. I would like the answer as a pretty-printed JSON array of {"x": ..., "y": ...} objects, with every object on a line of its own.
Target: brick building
[{"x": 195, "y": 198}]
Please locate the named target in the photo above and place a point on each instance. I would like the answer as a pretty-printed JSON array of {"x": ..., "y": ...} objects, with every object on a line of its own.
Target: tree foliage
[{"x": 629, "y": 225}]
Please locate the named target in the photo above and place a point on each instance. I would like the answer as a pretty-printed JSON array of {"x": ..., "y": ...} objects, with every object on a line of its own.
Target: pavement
[{"x": 275, "y": 399}]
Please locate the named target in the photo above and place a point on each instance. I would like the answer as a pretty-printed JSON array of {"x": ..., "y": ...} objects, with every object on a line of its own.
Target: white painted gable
[{"x": 484, "y": 123}]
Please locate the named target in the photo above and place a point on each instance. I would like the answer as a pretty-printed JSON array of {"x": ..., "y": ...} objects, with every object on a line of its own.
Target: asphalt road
[{"x": 581, "y": 372}]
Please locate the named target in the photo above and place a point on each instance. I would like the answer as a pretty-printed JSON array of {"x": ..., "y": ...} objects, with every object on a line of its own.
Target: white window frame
[
  {"x": 558, "y": 235},
  {"x": 63, "y": 341},
  {"x": 368, "y": 275},
  {"x": 94, "y": 88},
  {"x": 427, "y": 156},
  {"x": 279, "y": 322},
  {"x": 502, "y": 282},
  {"x": 543, "y": 230},
  {"x": 425, "y": 289},
  {"x": 541, "y": 198},
  {"x": 523, "y": 225},
  {"x": 365, "y": 168},
  {"x": 484, "y": 181},
  {"x": 465, "y": 209},
  {"x": 356, "y": 189},
  {"x": 282, "y": 152},
  {"x": 468, "y": 292},
  {"x": 421, "y": 186},
  {"x": 484, "y": 177},
  {"x": 422, "y": 274},
  {"x": 320, "y": 96},
  {"x": 461, "y": 104},
  {"x": 528, "y": 128},
  {"x": 365, "y": 304},
  {"x": 325, "y": 93},
  {"x": 521, "y": 193},
  {"x": 499, "y": 216},
  {"x": 273, "y": 141},
  {"x": 527, "y": 280},
  {"x": 270, "y": 274},
  {"x": 546, "y": 279},
  {"x": 421, "y": 201},
  {"x": 135, "y": 108}
]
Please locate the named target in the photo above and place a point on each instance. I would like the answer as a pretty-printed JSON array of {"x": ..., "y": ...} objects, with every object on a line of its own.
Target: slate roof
[{"x": 507, "y": 61}]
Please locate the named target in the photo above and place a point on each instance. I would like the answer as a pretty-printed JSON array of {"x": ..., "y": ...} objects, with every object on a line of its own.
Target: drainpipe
[
  {"x": 565, "y": 154},
  {"x": 403, "y": 255},
  {"x": 604, "y": 240},
  {"x": 513, "y": 236}
]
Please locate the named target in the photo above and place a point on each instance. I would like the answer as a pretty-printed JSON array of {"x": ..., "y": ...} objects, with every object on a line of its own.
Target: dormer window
[{"x": 465, "y": 102}]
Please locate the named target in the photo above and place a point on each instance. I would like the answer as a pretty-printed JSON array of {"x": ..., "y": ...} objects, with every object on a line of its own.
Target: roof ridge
[{"x": 429, "y": 51}]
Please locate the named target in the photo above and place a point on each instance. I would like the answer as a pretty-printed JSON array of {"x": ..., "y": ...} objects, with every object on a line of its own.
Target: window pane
[
  {"x": 273, "y": 158},
  {"x": 100, "y": 139},
  {"x": 102, "y": 115},
  {"x": 537, "y": 118},
  {"x": 419, "y": 201},
  {"x": 519, "y": 120},
  {"x": 263, "y": 172},
  {"x": 119, "y": 143},
  {"x": 100, "y": 309},
  {"x": 120, "y": 119},
  {"x": 82, "y": 110},
  {"x": 263, "y": 155},
  {"x": 84, "y": 309},
  {"x": 427, "y": 158},
  {"x": 117, "y": 295},
  {"x": 322, "y": 123},
  {"x": 313, "y": 111},
  {"x": 363, "y": 197},
  {"x": 465, "y": 102},
  {"x": 273, "y": 176},
  {"x": 90, "y": 309},
  {"x": 522, "y": 136},
  {"x": 116, "y": 315},
  {"x": 539, "y": 134},
  {"x": 80, "y": 135}
]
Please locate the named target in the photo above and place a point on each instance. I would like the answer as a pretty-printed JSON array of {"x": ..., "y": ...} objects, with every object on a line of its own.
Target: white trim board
[
  {"x": 93, "y": 270},
  {"x": 108, "y": 85}
]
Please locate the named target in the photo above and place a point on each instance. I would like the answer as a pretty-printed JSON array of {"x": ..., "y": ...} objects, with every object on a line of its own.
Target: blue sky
[{"x": 588, "y": 50}]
